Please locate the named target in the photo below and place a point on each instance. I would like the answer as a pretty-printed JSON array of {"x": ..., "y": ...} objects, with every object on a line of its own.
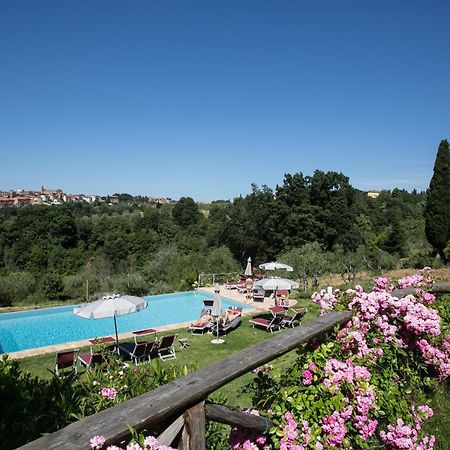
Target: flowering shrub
[
  {"x": 403, "y": 435},
  {"x": 247, "y": 440},
  {"x": 423, "y": 278},
  {"x": 356, "y": 390}
]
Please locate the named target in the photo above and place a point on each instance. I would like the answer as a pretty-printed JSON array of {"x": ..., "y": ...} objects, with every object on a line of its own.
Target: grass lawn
[
  {"x": 199, "y": 354},
  {"x": 439, "y": 423}
]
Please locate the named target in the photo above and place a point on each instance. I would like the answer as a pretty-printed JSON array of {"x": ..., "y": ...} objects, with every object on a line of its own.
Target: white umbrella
[
  {"x": 111, "y": 306},
  {"x": 274, "y": 284},
  {"x": 275, "y": 266},
  {"x": 216, "y": 312},
  {"x": 248, "y": 269}
]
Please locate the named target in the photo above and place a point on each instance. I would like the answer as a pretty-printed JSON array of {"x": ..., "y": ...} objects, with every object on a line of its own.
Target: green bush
[
  {"x": 31, "y": 406},
  {"x": 15, "y": 287}
]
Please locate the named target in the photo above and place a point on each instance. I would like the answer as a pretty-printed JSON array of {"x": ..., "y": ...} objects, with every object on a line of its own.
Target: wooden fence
[{"x": 210, "y": 279}]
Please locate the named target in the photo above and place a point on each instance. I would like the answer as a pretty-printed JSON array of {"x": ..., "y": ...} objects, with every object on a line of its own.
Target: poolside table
[{"x": 145, "y": 332}]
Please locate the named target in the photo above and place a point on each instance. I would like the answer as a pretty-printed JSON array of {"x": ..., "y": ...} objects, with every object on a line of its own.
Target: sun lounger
[
  {"x": 282, "y": 293},
  {"x": 89, "y": 359},
  {"x": 273, "y": 324},
  {"x": 277, "y": 310},
  {"x": 225, "y": 328},
  {"x": 166, "y": 349},
  {"x": 258, "y": 295},
  {"x": 200, "y": 328},
  {"x": 145, "y": 332},
  {"x": 235, "y": 285},
  {"x": 295, "y": 319},
  {"x": 204, "y": 322},
  {"x": 138, "y": 352},
  {"x": 66, "y": 359}
]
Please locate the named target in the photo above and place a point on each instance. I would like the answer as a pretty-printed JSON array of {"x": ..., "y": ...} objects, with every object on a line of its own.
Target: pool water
[{"x": 49, "y": 326}]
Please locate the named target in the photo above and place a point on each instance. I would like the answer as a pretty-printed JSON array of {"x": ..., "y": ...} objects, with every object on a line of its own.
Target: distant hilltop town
[{"x": 58, "y": 197}]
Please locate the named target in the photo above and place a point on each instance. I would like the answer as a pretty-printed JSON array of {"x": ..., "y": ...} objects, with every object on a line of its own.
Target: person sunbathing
[
  {"x": 229, "y": 316},
  {"x": 204, "y": 320}
]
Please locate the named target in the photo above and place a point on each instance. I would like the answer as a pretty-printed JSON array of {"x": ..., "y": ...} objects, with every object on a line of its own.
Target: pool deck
[{"x": 232, "y": 294}]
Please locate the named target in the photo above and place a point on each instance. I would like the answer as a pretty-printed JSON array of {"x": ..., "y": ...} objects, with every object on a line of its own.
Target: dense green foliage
[
  {"x": 32, "y": 406},
  {"x": 437, "y": 211},
  {"x": 60, "y": 252}
]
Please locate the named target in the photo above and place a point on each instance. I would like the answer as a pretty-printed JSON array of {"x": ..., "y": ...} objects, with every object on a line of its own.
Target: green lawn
[{"x": 200, "y": 353}]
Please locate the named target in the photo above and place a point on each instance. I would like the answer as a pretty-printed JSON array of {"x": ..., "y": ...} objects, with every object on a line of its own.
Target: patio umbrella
[
  {"x": 275, "y": 266},
  {"x": 274, "y": 284},
  {"x": 248, "y": 269},
  {"x": 216, "y": 312},
  {"x": 111, "y": 306}
]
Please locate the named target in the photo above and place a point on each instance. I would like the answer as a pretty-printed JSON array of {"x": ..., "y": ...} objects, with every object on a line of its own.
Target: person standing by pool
[{"x": 249, "y": 286}]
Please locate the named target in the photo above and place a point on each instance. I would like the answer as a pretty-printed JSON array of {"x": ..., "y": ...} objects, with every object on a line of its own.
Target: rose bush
[{"x": 358, "y": 389}]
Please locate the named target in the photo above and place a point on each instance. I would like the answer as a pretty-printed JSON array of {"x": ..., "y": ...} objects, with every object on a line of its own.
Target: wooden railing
[
  {"x": 210, "y": 279},
  {"x": 181, "y": 403},
  {"x": 438, "y": 287}
]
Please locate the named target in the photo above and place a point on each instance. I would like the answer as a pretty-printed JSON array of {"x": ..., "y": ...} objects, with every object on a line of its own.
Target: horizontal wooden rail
[
  {"x": 438, "y": 287},
  {"x": 174, "y": 398},
  {"x": 237, "y": 418}
]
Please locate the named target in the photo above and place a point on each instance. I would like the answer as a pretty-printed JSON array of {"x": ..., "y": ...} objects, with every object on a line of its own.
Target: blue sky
[{"x": 203, "y": 98}]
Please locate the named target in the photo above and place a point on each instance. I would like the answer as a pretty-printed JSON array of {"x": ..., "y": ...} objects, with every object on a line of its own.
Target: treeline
[{"x": 320, "y": 223}]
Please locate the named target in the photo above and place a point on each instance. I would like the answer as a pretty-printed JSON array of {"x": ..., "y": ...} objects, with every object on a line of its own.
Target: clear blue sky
[{"x": 203, "y": 98}]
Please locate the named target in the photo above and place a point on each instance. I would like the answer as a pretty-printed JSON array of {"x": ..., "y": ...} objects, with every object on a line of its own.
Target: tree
[
  {"x": 309, "y": 262},
  {"x": 52, "y": 285},
  {"x": 437, "y": 209},
  {"x": 186, "y": 212}
]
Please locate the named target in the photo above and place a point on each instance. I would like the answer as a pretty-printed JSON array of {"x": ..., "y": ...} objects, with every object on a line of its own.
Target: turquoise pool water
[{"x": 49, "y": 326}]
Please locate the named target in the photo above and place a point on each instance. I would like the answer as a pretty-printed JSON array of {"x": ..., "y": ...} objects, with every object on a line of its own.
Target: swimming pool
[{"x": 40, "y": 328}]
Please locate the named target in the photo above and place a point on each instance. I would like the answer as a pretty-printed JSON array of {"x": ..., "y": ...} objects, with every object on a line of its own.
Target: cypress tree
[{"x": 437, "y": 210}]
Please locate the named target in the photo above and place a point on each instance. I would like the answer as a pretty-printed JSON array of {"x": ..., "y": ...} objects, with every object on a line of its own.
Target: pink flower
[
  {"x": 97, "y": 442},
  {"x": 109, "y": 392},
  {"x": 307, "y": 377}
]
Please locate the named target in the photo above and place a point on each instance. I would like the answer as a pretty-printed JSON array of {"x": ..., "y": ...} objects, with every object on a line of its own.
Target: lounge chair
[
  {"x": 294, "y": 320},
  {"x": 225, "y": 328},
  {"x": 235, "y": 284},
  {"x": 200, "y": 328},
  {"x": 138, "y": 352},
  {"x": 166, "y": 349},
  {"x": 204, "y": 322},
  {"x": 273, "y": 324},
  {"x": 283, "y": 293},
  {"x": 66, "y": 359},
  {"x": 277, "y": 310},
  {"x": 91, "y": 358},
  {"x": 258, "y": 295}
]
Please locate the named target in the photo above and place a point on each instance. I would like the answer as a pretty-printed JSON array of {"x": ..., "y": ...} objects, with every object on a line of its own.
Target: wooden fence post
[{"x": 193, "y": 435}]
